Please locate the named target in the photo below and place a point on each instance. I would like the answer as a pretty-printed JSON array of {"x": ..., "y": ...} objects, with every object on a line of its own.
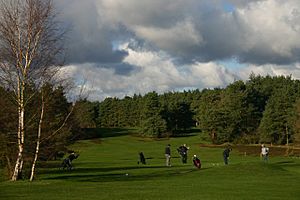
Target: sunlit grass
[{"x": 100, "y": 173}]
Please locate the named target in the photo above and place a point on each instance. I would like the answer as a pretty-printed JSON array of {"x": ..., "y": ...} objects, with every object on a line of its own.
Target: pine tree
[
  {"x": 277, "y": 117},
  {"x": 152, "y": 122}
]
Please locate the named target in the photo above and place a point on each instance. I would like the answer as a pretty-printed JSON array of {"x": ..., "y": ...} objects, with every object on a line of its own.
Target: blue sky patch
[{"x": 228, "y": 7}]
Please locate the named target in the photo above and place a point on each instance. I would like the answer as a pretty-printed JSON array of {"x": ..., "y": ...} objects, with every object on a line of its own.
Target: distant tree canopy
[{"x": 262, "y": 109}]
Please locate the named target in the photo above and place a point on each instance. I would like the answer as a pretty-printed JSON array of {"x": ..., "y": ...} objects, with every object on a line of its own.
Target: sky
[{"x": 119, "y": 48}]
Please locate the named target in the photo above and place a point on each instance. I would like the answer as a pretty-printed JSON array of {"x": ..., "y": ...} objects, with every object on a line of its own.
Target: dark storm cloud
[
  {"x": 253, "y": 31},
  {"x": 122, "y": 69},
  {"x": 90, "y": 40}
]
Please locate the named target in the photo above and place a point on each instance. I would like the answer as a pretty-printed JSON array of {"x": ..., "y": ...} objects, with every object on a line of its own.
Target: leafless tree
[{"x": 31, "y": 51}]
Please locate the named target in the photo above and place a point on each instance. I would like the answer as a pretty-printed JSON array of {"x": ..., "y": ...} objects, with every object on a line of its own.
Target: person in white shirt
[{"x": 264, "y": 152}]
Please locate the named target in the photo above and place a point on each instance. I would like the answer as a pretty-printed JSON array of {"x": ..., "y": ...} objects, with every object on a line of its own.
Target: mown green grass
[{"x": 100, "y": 173}]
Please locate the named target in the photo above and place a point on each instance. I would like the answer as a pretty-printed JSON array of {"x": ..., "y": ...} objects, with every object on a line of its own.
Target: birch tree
[
  {"x": 31, "y": 50},
  {"x": 45, "y": 132}
]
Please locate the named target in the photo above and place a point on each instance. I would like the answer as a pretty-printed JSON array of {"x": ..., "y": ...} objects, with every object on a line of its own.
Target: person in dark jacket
[
  {"x": 226, "y": 155},
  {"x": 67, "y": 162},
  {"x": 182, "y": 150},
  {"x": 142, "y": 158}
]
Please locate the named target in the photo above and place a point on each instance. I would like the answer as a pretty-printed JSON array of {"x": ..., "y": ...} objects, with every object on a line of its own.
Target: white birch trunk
[
  {"x": 37, "y": 148},
  {"x": 19, "y": 162},
  {"x": 17, "y": 166}
]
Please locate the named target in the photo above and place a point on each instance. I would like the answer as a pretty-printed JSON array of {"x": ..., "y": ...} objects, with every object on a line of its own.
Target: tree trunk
[
  {"x": 37, "y": 148},
  {"x": 17, "y": 165},
  {"x": 19, "y": 162}
]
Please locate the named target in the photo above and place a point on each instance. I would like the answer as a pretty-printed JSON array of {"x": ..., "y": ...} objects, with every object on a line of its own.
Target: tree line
[{"x": 262, "y": 109}]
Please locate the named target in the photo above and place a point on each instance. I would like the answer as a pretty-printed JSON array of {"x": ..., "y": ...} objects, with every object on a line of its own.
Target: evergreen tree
[
  {"x": 108, "y": 113},
  {"x": 277, "y": 117},
  {"x": 208, "y": 114},
  {"x": 152, "y": 122},
  {"x": 232, "y": 111},
  {"x": 179, "y": 117},
  {"x": 86, "y": 113},
  {"x": 296, "y": 123}
]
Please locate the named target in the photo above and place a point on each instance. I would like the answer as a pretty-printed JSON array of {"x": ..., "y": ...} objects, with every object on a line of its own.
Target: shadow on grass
[
  {"x": 285, "y": 162},
  {"x": 187, "y": 133},
  {"x": 101, "y": 169},
  {"x": 288, "y": 164},
  {"x": 93, "y": 133},
  {"x": 112, "y": 174}
]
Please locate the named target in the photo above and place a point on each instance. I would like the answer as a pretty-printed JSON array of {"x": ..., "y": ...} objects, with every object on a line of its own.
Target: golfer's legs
[
  {"x": 225, "y": 160},
  {"x": 168, "y": 159}
]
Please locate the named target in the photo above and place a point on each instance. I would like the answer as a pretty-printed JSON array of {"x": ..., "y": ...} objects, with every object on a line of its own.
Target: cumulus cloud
[
  {"x": 272, "y": 29},
  {"x": 292, "y": 70},
  {"x": 167, "y": 45},
  {"x": 154, "y": 71},
  {"x": 183, "y": 35},
  {"x": 255, "y": 31}
]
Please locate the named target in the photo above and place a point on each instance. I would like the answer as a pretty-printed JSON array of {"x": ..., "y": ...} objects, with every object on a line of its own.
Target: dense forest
[{"x": 262, "y": 109}]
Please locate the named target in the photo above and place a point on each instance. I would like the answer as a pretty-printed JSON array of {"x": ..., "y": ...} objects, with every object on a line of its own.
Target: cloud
[
  {"x": 167, "y": 45},
  {"x": 157, "y": 71},
  {"x": 89, "y": 35},
  {"x": 242, "y": 3},
  {"x": 292, "y": 70},
  {"x": 256, "y": 31},
  {"x": 153, "y": 71},
  {"x": 183, "y": 35},
  {"x": 272, "y": 29}
]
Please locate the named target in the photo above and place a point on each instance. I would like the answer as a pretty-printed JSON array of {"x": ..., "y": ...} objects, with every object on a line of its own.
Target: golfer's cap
[{"x": 195, "y": 155}]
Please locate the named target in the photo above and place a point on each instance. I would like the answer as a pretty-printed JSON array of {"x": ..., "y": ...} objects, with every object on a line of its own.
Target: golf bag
[{"x": 197, "y": 162}]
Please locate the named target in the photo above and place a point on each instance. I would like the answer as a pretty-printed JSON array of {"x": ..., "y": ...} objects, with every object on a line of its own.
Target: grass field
[{"x": 100, "y": 173}]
